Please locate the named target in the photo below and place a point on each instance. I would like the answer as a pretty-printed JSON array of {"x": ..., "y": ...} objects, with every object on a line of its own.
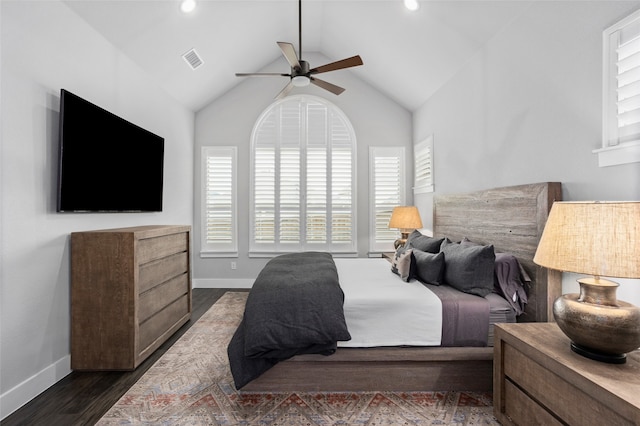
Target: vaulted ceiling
[{"x": 407, "y": 55}]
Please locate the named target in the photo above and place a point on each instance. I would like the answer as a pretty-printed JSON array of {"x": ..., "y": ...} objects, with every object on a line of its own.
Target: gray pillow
[
  {"x": 465, "y": 242},
  {"x": 424, "y": 243},
  {"x": 428, "y": 267},
  {"x": 469, "y": 268}
]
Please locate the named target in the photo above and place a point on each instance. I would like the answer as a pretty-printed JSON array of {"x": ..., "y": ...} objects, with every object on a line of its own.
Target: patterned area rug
[{"x": 191, "y": 384}]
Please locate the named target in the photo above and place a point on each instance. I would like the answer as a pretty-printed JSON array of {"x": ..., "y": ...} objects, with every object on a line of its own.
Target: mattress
[
  {"x": 501, "y": 311},
  {"x": 383, "y": 310}
]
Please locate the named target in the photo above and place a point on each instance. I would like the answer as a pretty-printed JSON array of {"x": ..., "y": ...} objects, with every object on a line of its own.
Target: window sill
[
  {"x": 269, "y": 254},
  {"x": 212, "y": 254},
  {"x": 624, "y": 153}
]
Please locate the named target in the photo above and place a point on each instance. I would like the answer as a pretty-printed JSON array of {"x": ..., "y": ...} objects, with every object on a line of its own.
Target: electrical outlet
[{"x": 233, "y": 265}]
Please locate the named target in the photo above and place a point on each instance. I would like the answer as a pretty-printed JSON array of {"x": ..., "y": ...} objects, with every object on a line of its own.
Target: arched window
[{"x": 303, "y": 178}]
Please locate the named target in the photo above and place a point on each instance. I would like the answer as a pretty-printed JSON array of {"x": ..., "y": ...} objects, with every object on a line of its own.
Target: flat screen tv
[{"x": 106, "y": 164}]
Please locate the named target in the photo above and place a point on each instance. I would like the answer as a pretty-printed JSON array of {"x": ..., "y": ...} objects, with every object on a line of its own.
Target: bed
[
  {"x": 383, "y": 310},
  {"x": 509, "y": 218}
]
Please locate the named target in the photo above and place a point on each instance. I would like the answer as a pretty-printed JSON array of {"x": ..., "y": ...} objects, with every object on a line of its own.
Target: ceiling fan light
[
  {"x": 412, "y": 5},
  {"x": 300, "y": 81}
]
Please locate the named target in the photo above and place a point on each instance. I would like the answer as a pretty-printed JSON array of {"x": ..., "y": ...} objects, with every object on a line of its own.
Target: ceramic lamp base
[
  {"x": 401, "y": 241},
  {"x": 599, "y": 326}
]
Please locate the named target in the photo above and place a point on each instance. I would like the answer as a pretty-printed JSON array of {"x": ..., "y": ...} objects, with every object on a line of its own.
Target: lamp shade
[
  {"x": 594, "y": 238},
  {"x": 405, "y": 217}
]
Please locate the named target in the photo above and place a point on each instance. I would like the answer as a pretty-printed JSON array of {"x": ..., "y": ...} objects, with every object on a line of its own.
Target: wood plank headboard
[{"x": 512, "y": 219}]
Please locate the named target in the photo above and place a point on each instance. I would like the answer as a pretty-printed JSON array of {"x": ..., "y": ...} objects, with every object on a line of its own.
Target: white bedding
[{"x": 382, "y": 310}]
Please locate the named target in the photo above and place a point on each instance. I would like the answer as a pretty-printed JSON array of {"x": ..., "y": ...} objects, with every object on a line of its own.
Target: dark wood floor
[{"x": 82, "y": 398}]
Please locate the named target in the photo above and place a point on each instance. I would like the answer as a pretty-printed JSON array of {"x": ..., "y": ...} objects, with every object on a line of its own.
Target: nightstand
[{"x": 537, "y": 379}]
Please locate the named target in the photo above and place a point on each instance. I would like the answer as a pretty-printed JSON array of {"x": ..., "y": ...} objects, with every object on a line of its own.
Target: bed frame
[{"x": 512, "y": 219}]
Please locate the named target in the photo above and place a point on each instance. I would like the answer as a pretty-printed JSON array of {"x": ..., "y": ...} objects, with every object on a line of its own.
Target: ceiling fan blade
[
  {"x": 336, "y": 90},
  {"x": 284, "y": 92},
  {"x": 289, "y": 53},
  {"x": 261, "y": 74},
  {"x": 353, "y": 61}
]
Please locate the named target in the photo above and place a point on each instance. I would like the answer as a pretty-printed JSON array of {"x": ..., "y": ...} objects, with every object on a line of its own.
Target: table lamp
[
  {"x": 601, "y": 239},
  {"x": 406, "y": 219}
]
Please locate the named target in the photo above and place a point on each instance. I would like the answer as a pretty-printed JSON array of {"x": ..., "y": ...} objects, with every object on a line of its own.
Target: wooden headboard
[{"x": 512, "y": 219}]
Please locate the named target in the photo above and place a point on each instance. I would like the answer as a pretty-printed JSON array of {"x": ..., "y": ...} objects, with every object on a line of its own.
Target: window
[
  {"x": 621, "y": 93},
  {"x": 387, "y": 183},
  {"x": 219, "y": 223},
  {"x": 303, "y": 178},
  {"x": 423, "y": 157}
]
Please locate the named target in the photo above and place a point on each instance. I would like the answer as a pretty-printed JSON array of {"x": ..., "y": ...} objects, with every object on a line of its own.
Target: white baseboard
[
  {"x": 19, "y": 395},
  {"x": 222, "y": 283}
]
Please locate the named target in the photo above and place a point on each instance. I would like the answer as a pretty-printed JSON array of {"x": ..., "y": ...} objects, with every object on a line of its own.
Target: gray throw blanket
[{"x": 295, "y": 307}]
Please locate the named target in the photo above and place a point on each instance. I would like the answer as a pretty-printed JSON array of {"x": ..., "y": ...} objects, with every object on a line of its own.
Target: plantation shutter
[
  {"x": 317, "y": 173},
  {"x": 624, "y": 85},
  {"x": 288, "y": 176},
  {"x": 342, "y": 184},
  {"x": 303, "y": 178},
  {"x": 388, "y": 191},
  {"x": 264, "y": 180},
  {"x": 219, "y": 196},
  {"x": 423, "y": 167}
]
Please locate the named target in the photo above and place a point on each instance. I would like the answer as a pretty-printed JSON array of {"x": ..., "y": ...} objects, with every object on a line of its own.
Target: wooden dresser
[
  {"x": 538, "y": 380},
  {"x": 130, "y": 291}
]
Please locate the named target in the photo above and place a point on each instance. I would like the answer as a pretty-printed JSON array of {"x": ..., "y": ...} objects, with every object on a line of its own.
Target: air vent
[{"x": 193, "y": 59}]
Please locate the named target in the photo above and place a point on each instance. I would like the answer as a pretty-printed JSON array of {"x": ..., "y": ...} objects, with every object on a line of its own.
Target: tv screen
[{"x": 106, "y": 164}]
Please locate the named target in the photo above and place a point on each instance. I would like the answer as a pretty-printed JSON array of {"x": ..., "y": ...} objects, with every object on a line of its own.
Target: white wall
[
  {"x": 46, "y": 47},
  {"x": 525, "y": 109},
  {"x": 229, "y": 120},
  {"x": 528, "y": 109}
]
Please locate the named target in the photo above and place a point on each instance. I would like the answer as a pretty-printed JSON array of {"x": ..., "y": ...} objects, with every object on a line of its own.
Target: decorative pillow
[
  {"x": 467, "y": 242},
  {"x": 509, "y": 284},
  {"x": 428, "y": 267},
  {"x": 401, "y": 264},
  {"x": 469, "y": 268},
  {"x": 412, "y": 236},
  {"x": 424, "y": 243}
]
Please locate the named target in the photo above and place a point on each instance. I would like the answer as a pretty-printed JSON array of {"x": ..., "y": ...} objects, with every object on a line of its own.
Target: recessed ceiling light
[
  {"x": 412, "y": 4},
  {"x": 187, "y": 6}
]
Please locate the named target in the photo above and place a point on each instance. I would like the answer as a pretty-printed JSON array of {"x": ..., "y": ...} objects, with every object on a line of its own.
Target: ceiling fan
[{"x": 301, "y": 74}]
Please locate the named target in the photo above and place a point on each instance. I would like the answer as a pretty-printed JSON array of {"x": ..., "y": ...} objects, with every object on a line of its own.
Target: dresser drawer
[
  {"x": 157, "y": 271},
  {"x": 159, "y": 323},
  {"x": 150, "y": 249},
  {"x": 552, "y": 392},
  {"x": 522, "y": 410},
  {"x": 162, "y": 295}
]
